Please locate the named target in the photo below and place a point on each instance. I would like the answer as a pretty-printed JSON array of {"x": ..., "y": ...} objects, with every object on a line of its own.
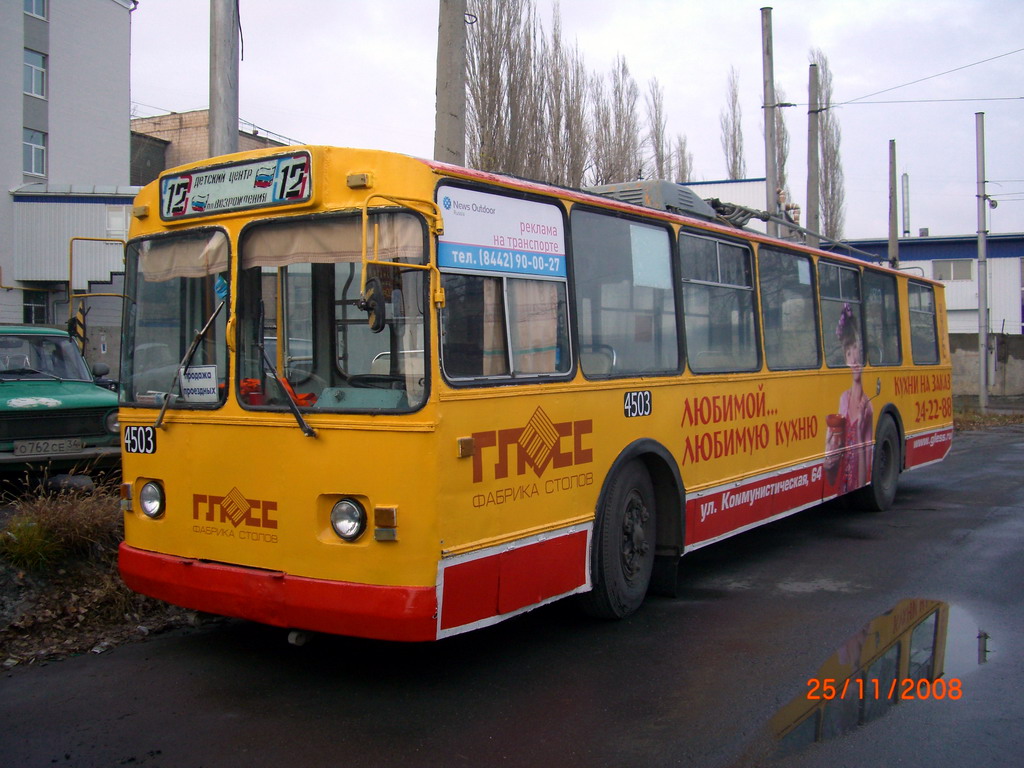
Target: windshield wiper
[
  {"x": 183, "y": 365},
  {"x": 23, "y": 370},
  {"x": 307, "y": 430}
]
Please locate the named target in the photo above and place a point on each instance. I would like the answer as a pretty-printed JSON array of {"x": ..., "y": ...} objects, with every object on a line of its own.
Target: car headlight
[
  {"x": 348, "y": 519},
  {"x": 110, "y": 422},
  {"x": 151, "y": 500}
]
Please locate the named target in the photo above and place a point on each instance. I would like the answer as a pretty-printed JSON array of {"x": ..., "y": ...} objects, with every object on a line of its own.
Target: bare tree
[
  {"x": 683, "y": 161},
  {"x": 731, "y": 118},
  {"x": 617, "y": 144},
  {"x": 832, "y": 188},
  {"x": 507, "y": 88},
  {"x": 534, "y": 110},
  {"x": 568, "y": 123},
  {"x": 528, "y": 95},
  {"x": 781, "y": 143},
  {"x": 661, "y": 151}
]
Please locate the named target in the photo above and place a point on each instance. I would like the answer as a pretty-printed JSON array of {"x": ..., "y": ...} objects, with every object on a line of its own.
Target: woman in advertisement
[{"x": 848, "y": 438}]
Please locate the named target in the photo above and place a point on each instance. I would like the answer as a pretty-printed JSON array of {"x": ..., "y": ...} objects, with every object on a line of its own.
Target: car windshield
[
  {"x": 304, "y": 331},
  {"x": 35, "y": 356},
  {"x": 177, "y": 285}
]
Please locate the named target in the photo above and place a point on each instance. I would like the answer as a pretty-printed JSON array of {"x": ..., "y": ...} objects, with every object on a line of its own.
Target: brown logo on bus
[
  {"x": 235, "y": 509},
  {"x": 537, "y": 445}
]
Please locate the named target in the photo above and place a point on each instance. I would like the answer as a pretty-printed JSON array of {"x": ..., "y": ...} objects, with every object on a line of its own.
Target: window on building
[
  {"x": 34, "y": 306},
  {"x": 117, "y": 221},
  {"x": 34, "y": 70},
  {"x": 33, "y": 152},
  {"x": 952, "y": 269},
  {"x": 36, "y": 8}
]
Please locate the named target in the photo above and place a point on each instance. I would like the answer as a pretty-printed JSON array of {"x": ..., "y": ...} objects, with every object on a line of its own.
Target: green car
[{"x": 54, "y": 418}]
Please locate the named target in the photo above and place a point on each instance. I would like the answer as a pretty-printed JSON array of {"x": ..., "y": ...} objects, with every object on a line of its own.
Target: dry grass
[
  {"x": 47, "y": 530},
  {"x": 60, "y": 591}
]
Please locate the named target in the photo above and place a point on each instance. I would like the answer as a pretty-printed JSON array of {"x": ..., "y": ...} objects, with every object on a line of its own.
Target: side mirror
[
  {"x": 373, "y": 305},
  {"x": 100, "y": 369}
]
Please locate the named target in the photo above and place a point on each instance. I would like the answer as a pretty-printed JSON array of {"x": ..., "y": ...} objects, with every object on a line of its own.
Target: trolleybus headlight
[
  {"x": 151, "y": 500},
  {"x": 110, "y": 422},
  {"x": 348, "y": 518}
]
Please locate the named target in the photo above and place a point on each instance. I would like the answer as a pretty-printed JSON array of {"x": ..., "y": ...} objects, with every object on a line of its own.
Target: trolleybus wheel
[
  {"x": 885, "y": 469},
  {"x": 622, "y": 554}
]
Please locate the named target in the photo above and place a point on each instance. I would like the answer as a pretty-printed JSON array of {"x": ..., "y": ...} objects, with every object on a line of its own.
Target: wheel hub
[{"x": 634, "y": 535}]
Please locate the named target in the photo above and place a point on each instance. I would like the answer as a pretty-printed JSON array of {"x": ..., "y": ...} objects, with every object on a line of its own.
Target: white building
[{"x": 64, "y": 155}]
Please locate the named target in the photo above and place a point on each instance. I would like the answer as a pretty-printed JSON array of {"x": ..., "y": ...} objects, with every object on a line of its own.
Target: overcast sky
[{"x": 359, "y": 73}]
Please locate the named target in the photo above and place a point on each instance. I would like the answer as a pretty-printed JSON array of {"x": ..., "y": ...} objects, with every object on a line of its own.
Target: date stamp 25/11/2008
[{"x": 828, "y": 689}]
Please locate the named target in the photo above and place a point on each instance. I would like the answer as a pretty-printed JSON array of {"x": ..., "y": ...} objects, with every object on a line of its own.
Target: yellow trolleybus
[{"x": 373, "y": 395}]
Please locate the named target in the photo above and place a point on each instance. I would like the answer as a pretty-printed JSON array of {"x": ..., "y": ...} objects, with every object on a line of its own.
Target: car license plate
[{"x": 47, "y": 447}]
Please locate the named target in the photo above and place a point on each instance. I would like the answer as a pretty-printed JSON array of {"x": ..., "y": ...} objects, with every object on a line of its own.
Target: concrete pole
[
  {"x": 979, "y": 127},
  {"x": 223, "y": 128},
  {"x": 894, "y": 231},
  {"x": 450, "y": 116},
  {"x": 813, "y": 172},
  {"x": 770, "y": 159}
]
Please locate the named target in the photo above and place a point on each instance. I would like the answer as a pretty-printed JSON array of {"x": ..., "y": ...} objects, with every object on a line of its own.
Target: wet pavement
[{"x": 711, "y": 678}]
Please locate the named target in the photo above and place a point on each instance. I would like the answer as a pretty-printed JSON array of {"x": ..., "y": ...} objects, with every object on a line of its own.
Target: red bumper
[{"x": 282, "y": 600}]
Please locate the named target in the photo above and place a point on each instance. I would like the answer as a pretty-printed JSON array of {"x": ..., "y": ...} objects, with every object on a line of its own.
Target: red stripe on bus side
[
  {"x": 282, "y": 600},
  {"x": 724, "y": 511},
  {"x": 924, "y": 449},
  {"x": 493, "y": 585}
]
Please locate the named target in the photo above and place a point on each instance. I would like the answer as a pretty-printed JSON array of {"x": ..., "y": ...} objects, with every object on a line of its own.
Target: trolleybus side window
[
  {"x": 788, "y": 310},
  {"x": 624, "y": 297},
  {"x": 924, "y": 344},
  {"x": 841, "y": 315},
  {"x": 503, "y": 326},
  {"x": 301, "y": 316},
  {"x": 179, "y": 284},
  {"x": 882, "y": 318},
  {"x": 718, "y": 305}
]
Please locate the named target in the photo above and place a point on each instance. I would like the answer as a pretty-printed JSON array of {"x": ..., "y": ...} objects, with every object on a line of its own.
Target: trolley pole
[
  {"x": 979, "y": 126},
  {"x": 223, "y": 127},
  {"x": 770, "y": 160}
]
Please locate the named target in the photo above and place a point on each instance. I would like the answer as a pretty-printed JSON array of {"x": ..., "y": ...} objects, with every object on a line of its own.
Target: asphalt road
[{"x": 690, "y": 681}]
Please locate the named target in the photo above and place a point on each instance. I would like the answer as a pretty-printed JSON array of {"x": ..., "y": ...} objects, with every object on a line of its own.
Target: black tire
[
  {"x": 622, "y": 552},
  {"x": 885, "y": 469}
]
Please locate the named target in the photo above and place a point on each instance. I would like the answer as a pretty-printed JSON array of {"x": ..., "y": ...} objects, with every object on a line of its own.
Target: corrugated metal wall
[{"x": 42, "y": 233}]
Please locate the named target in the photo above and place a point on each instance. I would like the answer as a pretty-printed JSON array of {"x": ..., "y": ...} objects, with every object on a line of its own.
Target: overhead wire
[{"x": 929, "y": 77}]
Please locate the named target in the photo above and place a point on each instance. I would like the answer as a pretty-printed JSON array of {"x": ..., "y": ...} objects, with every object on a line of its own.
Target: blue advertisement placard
[{"x": 484, "y": 232}]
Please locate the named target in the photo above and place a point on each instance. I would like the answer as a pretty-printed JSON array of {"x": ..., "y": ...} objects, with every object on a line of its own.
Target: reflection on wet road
[{"x": 913, "y": 652}]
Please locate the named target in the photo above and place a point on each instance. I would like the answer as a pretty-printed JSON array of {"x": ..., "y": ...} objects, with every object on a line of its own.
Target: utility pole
[
  {"x": 770, "y": 158},
  {"x": 450, "y": 116},
  {"x": 979, "y": 127},
  {"x": 894, "y": 232},
  {"x": 223, "y": 126},
  {"x": 813, "y": 168}
]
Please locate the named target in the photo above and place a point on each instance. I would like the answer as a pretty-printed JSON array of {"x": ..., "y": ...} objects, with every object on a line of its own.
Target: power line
[
  {"x": 932, "y": 101},
  {"x": 929, "y": 77}
]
